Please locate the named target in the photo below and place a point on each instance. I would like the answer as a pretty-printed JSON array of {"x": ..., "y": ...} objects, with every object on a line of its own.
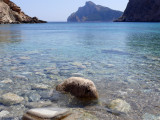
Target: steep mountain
[
  {"x": 11, "y": 13},
  {"x": 141, "y": 11},
  {"x": 93, "y": 12}
]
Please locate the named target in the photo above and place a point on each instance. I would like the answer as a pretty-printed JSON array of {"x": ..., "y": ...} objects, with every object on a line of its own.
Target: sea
[{"x": 122, "y": 59}]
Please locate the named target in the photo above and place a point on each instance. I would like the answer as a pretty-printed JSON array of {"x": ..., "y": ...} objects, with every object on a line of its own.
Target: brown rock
[
  {"x": 79, "y": 87},
  {"x": 11, "y": 13}
]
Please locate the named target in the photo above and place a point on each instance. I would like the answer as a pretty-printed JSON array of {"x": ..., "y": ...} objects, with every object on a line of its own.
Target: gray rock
[
  {"x": 64, "y": 73},
  {"x": 39, "y": 87},
  {"x": 21, "y": 77},
  {"x": 80, "y": 114},
  {"x": 79, "y": 65},
  {"x": 38, "y": 104},
  {"x": 40, "y": 73},
  {"x": 53, "y": 67},
  {"x": 27, "y": 73},
  {"x": 3, "y": 113},
  {"x": 109, "y": 65},
  {"x": 14, "y": 68},
  {"x": 10, "y": 99},
  {"x": 45, "y": 94},
  {"x": 34, "y": 97},
  {"x": 148, "y": 116},
  {"x": 24, "y": 58},
  {"x": 120, "y": 105},
  {"x": 46, "y": 113},
  {"x": 77, "y": 75},
  {"x": 54, "y": 72},
  {"x": 7, "y": 80}
]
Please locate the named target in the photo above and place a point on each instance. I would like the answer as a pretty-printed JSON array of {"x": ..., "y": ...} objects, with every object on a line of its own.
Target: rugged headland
[
  {"x": 11, "y": 13},
  {"x": 141, "y": 11},
  {"x": 92, "y": 12}
]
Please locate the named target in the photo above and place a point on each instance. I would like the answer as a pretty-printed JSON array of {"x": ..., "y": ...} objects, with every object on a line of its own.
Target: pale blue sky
[{"x": 59, "y": 10}]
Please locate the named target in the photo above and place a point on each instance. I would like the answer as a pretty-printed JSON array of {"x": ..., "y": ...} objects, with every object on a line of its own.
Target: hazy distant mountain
[
  {"x": 141, "y": 11},
  {"x": 11, "y": 13},
  {"x": 93, "y": 12}
]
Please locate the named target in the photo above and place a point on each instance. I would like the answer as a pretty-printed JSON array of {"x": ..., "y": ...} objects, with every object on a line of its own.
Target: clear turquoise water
[{"x": 123, "y": 59}]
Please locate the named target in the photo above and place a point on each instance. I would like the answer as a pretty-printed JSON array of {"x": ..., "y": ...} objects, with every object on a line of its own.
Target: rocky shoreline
[
  {"x": 12, "y": 14},
  {"x": 26, "y": 85},
  {"x": 141, "y": 11},
  {"x": 76, "y": 86}
]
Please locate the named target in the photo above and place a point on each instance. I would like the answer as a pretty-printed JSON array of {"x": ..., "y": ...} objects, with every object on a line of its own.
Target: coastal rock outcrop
[
  {"x": 92, "y": 12},
  {"x": 11, "y": 13},
  {"x": 141, "y": 11},
  {"x": 79, "y": 87}
]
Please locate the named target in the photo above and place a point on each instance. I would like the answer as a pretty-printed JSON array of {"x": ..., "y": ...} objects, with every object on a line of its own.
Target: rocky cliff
[
  {"x": 11, "y": 13},
  {"x": 93, "y": 12},
  {"x": 141, "y": 11}
]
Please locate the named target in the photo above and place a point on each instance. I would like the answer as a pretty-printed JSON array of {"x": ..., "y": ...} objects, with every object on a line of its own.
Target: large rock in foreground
[
  {"x": 92, "y": 12},
  {"x": 11, "y": 13},
  {"x": 141, "y": 11},
  {"x": 58, "y": 114},
  {"x": 79, "y": 87},
  {"x": 46, "y": 114}
]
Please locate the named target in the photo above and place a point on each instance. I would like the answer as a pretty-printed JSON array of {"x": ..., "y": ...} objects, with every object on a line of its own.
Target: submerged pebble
[
  {"x": 25, "y": 58},
  {"x": 79, "y": 65},
  {"x": 39, "y": 87},
  {"x": 120, "y": 105},
  {"x": 3, "y": 113},
  {"x": 38, "y": 104},
  {"x": 10, "y": 99},
  {"x": 40, "y": 73},
  {"x": 46, "y": 113},
  {"x": 20, "y": 77},
  {"x": 77, "y": 75},
  {"x": 7, "y": 80},
  {"x": 148, "y": 116},
  {"x": 34, "y": 97}
]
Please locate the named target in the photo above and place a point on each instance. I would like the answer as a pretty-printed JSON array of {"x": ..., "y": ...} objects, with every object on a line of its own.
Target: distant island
[
  {"x": 94, "y": 13},
  {"x": 141, "y": 11},
  {"x": 11, "y": 13}
]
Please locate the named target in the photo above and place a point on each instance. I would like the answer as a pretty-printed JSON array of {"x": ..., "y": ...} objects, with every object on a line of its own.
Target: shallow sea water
[{"x": 122, "y": 59}]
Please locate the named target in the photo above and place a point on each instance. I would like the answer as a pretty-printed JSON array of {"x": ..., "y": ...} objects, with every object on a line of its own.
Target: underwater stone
[
  {"x": 7, "y": 80},
  {"x": 79, "y": 87},
  {"x": 120, "y": 105},
  {"x": 79, "y": 65},
  {"x": 40, "y": 87},
  {"x": 38, "y": 104},
  {"x": 3, "y": 113},
  {"x": 25, "y": 58},
  {"x": 46, "y": 113},
  {"x": 21, "y": 77},
  {"x": 10, "y": 99},
  {"x": 34, "y": 97},
  {"x": 148, "y": 116}
]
